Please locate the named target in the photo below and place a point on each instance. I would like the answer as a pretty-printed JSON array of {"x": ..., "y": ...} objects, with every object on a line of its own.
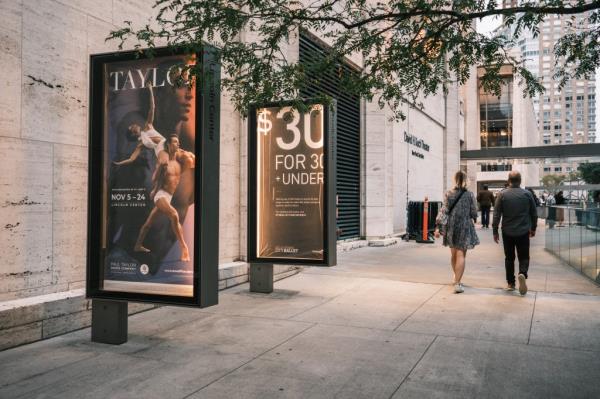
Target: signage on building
[
  {"x": 291, "y": 184},
  {"x": 417, "y": 142},
  {"x": 153, "y": 177}
]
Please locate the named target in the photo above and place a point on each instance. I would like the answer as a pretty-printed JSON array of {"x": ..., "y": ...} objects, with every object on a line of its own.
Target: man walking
[
  {"x": 485, "y": 198},
  {"x": 516, "y": 207}
]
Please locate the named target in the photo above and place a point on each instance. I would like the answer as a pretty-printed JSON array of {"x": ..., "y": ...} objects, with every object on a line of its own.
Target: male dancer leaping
[{"x": 167, "y": 178}]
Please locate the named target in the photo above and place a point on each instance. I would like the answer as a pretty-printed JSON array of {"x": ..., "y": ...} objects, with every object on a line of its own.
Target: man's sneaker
[
  {"x": 510, "y": 287},
  {"x": 458, "y": 288},
  {"x": 522, "y": 284}
]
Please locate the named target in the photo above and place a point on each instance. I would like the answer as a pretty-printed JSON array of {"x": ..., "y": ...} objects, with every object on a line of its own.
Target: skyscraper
[{"x": 566, "y": 116}]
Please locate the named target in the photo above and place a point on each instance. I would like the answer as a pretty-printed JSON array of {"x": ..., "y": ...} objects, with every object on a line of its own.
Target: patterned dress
[{"x": 460, "y": 231}]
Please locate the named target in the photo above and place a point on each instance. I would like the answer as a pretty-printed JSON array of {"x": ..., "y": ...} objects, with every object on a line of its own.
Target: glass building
[
  {"x": 495, "y": 116},
  {"x": 567, "y": 115},
  {"x": 502, "y": 120}
]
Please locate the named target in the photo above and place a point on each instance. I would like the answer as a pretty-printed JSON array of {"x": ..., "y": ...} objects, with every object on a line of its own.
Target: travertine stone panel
[
  {"x": 378, "y": 221},
  {"x": 26, "y": 214},
  {"x": 471, "y": 97},
  {"x": 20, "y": 335},
  {"x": 60, "y": 325},
  {"x": 452, "y": 135},
  {"x": 139, "y": 12},
  {"x": 376, "y": 187},
  {"x": 426, "y": 176},
  {"x": 378, "y": 182},
  {"x": 54, "y": 73},
  {"x": 46, "y": 285},
  {"x": 434, "y": 107},
  {"x": 229, "y": 214},
  {"x": 399, "y": 164},
  {"x": 102, "y": 9},
  {"x": 10, "y": 65},
  {"x": 69, "y": 212},
  {"x": 27, "y": 311},
  {"x": 97, "y": 32},
  {"x": 243, "y": 188}
]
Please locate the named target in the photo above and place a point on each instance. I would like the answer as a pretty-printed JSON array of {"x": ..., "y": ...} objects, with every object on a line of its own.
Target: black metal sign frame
[
  {"x": 329, "y": 198},
  {"x": 206, "y": 178}
]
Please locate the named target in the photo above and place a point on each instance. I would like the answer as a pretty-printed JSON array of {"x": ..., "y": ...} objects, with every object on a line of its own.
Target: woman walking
[{"x": 456, "y": 223}]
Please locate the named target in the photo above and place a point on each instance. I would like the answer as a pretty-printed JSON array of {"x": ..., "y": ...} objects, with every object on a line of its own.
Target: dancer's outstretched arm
[
  {"x": 132, "y": 157},
  {"x": 150, "y": 118}
]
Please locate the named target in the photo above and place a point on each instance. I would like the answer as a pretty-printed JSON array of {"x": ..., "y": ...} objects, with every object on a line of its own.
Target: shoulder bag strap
[{"x": 455, "y": 202}]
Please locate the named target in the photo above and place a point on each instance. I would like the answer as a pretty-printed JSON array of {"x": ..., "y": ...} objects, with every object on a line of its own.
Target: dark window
[
  {"x": 486, "y": 167},
  {"x": 496, "y": 116}
]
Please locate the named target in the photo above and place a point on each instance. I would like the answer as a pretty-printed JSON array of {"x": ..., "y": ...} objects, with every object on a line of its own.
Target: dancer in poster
[
  {"x": 168, "y": 176},
  {"x": 148, "y": 137}
]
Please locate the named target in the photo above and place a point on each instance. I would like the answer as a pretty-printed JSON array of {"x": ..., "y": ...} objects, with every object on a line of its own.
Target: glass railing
[{"x": 573, "y": 234}]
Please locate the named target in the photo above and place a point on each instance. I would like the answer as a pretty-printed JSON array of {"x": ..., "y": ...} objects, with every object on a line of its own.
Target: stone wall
[
  {"x": 43, "y": 144},
  {"x": 44, "y": 57}
]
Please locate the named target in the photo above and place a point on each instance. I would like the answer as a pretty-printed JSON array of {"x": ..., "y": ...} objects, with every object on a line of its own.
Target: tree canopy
[
  {"x": 409, "y": 47},
  {"x": 590, "y": 172},
  {"x": 552, "y": 180}
]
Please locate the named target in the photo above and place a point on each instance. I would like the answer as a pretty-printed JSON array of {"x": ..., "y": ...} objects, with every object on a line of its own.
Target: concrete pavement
[{"x": 382, "y": 324}]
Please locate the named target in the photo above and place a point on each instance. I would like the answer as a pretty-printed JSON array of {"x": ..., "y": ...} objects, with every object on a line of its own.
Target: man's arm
[
  {"x": 497, "y": 215},
  {"x": 533, "y": 215},
  {"x": 473, "y": 207}
]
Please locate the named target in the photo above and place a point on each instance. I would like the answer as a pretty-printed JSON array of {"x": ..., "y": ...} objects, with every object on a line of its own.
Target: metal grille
[{"x": 348, "y": 137}]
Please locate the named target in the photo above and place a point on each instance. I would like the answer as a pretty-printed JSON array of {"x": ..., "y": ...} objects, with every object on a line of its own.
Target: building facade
[
  {"x": 44, "y": 143},
  {"x": 567, "y": 115},
  {"x": 501, "y": 121}
]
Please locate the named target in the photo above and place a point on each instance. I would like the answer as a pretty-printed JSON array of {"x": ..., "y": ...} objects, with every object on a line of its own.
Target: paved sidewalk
[{"x": 382, "y": 324}]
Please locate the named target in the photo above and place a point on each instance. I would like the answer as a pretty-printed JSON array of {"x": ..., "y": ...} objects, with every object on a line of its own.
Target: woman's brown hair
[{"x": 460, "y": 180}]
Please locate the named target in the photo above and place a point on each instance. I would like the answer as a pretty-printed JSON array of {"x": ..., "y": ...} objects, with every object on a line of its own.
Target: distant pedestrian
[
  {"x": 456, "y": 223},
  {"x": 560, "y": 201},
  {"x": 551, "y": 209},
  {"x": 516, "y": 208},
  {"x": 485, "y": 198}
]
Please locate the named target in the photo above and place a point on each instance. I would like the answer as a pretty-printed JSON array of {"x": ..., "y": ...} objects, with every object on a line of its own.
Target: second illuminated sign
[{"x": 290, "y": 191}]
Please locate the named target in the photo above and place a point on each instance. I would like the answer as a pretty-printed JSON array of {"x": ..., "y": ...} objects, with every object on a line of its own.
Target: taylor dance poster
[
  {"x": 149, "y": 166},
  {"x": 290, "y": 186}
]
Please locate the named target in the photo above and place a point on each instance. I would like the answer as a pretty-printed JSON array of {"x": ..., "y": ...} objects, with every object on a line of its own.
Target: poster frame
[
  {"x": 206, "y": 188},
  {"x": 329, "y": 170}
]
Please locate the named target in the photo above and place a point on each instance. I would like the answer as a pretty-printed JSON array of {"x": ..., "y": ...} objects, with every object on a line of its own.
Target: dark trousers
[
  {"x": 521, "y": 244},
  {"x": 485, "y": 216}
]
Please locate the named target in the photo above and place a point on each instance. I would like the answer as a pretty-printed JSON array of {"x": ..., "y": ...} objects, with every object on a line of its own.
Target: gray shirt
[{"x": 516, "y": 207}]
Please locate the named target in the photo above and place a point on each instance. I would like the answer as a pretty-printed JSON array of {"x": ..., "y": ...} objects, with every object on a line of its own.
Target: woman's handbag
[{"x": 444, "y": 216}]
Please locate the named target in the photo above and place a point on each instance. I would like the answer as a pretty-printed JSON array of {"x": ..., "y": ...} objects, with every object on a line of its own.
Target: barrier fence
[
  {"x": 417, "y": 212},
  {"x": 573, "y": 234}
]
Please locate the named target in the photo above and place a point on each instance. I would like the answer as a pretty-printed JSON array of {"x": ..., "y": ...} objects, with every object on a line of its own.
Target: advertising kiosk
[
  {"x": 153, "y": 204},
  {"x": 291, "y": 188}
]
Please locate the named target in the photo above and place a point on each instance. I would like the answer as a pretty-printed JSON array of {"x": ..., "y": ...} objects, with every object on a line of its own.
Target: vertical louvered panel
[{"x": 348, "y": 138}]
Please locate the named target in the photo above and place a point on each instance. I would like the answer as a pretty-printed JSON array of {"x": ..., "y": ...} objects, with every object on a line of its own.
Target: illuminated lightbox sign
[
  {"x": 292, "y": 185},
  {"x": 153, "y": 195}
]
